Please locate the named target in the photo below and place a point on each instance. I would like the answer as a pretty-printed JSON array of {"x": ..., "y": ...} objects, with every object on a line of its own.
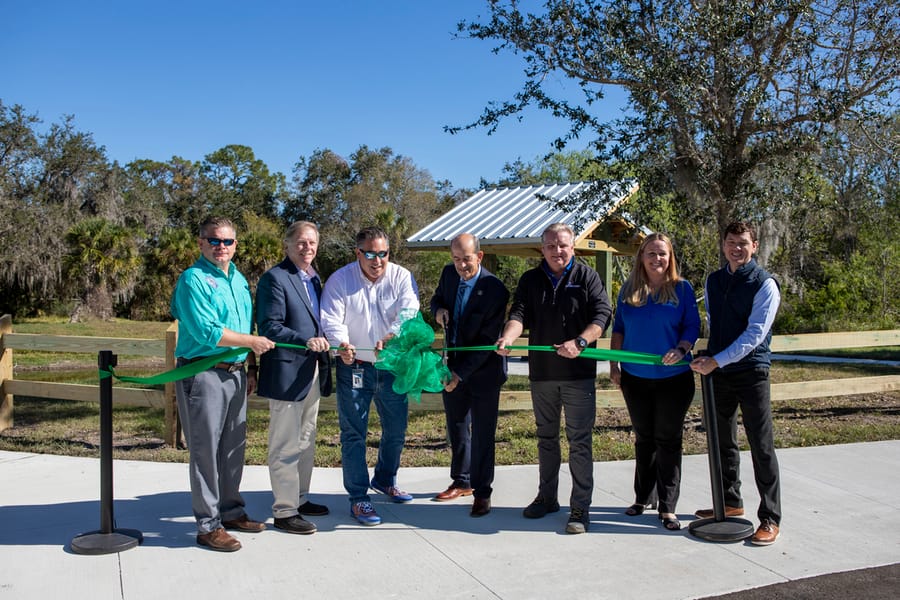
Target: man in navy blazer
[
  {"x": 470, "y": 302},
  {"x": 287, "y": 310}
]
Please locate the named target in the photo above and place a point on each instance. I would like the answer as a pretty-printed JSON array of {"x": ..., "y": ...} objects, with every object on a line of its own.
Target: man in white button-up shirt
[{"x": 363, "y": 304}]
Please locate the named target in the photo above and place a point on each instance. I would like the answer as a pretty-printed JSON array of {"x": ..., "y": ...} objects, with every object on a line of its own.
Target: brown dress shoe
[
  {"x": 481, "y": 507},
  {"x": 766, "y": 534},
  {"x": 452, "y": 493},
  {"x": 730, "y": 511},
  {"x": 244, "y": 523},
  {"x": 219, "y": 540}
]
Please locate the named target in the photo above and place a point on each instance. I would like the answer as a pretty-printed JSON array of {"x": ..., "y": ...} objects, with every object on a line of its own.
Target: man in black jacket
[
  {"x": 564, "y": 304},
  {"x": 470, "y": 302}
]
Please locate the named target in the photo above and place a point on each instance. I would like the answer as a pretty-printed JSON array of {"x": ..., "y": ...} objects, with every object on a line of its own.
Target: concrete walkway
[{"x": 840, "y": 505}]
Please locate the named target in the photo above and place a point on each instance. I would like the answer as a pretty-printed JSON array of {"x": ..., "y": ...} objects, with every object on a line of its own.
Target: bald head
[{"x": 465, "y": 249}]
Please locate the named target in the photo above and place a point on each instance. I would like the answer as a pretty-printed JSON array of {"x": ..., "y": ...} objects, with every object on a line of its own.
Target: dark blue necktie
[{"x": 458, "y": 308}]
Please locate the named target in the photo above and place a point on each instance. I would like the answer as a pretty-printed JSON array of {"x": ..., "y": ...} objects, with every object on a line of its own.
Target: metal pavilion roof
[{"x": 511, "y": 220}]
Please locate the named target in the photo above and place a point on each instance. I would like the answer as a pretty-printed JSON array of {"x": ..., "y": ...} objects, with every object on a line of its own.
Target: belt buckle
[{"x": 236, "y": 366}]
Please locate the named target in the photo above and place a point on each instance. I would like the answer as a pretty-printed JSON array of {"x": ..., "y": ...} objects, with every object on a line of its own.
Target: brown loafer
[
  {"x": 218, "y": 540},
  {"x": 766, "y": 534},
  {"x": 481, "y": 507},
  {"x": 452, "y": 493},
  {"x": 244, "y": 523},
  {"x": 730, "y": 511}
]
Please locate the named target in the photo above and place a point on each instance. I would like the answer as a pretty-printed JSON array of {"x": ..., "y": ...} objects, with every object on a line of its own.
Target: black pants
[
  {"x": 471, "y": 411},
  {"x": 657, "y": 408},
  {"x": 750, "y": 390}
]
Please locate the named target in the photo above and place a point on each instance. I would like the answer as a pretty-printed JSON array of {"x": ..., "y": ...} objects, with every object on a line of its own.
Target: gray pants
[
  {"x": 292, "y": 450},
  {"x": 579, "y": 400},
  {"x": 213, "y": 409}
]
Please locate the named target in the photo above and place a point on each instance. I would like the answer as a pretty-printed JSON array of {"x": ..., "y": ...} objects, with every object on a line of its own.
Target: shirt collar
[
  {"x": 556, "y": 279},
  {"x": 471, "y": 282},
  {"x": 211, "y": 266},
  {"x": 307, "y": 275}
]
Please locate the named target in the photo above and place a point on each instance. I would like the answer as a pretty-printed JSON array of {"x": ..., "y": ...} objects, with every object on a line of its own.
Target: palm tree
[
  {"x": 102, "y": 263},
  {"x": 167, "y": 256}
]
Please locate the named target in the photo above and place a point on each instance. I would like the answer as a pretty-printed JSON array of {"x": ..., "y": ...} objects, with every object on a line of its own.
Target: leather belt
[{"x": 225, "y": 366}]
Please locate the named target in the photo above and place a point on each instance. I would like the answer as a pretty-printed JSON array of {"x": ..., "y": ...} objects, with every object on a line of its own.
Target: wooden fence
[{"x": 509, "y": 400}]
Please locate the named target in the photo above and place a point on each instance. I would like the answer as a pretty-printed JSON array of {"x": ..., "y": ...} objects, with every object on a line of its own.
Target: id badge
[{"x": 357, "y": 379}]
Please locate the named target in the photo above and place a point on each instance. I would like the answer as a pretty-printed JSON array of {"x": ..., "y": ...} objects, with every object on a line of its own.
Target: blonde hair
[{"x": 636, "y": 289}]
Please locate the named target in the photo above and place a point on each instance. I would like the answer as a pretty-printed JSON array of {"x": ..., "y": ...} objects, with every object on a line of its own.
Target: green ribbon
[
  {"x": 188, "y": 370},
  {"x": 416, "y": 366},
  {"x": 625, "y": 356},
  {"x": 182, "y": 372}
]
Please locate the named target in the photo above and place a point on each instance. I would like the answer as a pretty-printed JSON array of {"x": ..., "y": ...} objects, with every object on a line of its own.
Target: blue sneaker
[
  {"x": 364, "y": 513},
  {"x": 395, "y": 493}
]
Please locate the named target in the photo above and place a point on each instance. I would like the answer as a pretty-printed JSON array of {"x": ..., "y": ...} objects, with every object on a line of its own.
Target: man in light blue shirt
[{"x": 214, "y": 310}]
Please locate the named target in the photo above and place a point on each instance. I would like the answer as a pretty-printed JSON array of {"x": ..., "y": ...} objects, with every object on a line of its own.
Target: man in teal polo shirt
[{"x": 214, "y": 310}]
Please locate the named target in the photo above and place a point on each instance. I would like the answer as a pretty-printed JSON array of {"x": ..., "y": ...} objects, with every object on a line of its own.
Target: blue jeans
[{"x": 353, "y": 411}]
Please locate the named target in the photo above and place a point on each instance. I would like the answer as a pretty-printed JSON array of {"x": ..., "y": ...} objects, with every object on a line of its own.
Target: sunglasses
[
  {"x": 369, "y": 254},
  {"x": 217, "y": 241}
]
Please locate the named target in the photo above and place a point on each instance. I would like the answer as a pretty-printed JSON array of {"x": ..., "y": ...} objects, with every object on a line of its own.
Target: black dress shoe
[
  {"x": 295, "y": 524},
  {"x": 311, "y": 509},
  {"x": 481, "y": 507},
  {"x": 539, "y": 508}
]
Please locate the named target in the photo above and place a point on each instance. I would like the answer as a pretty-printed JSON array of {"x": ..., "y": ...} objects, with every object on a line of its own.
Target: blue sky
[{"x": 161, "y": 79}]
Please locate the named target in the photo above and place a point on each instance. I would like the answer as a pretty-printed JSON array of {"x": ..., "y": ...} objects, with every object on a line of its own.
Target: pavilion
[{"x": 509, "y": 221}]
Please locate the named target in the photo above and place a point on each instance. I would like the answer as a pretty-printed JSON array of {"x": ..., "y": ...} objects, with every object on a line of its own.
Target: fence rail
[{"x": 509, "y": 400}]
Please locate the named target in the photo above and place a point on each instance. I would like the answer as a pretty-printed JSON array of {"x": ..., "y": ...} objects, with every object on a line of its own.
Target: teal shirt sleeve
[{"x": 199, "y": 326}]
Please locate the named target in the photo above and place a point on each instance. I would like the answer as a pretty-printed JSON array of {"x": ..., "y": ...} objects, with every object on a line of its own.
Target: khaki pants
[{"x": 292, "y": 449}]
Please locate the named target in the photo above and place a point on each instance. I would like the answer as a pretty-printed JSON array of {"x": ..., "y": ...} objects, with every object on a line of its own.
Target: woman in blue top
[{"x": 657, "y": 313}]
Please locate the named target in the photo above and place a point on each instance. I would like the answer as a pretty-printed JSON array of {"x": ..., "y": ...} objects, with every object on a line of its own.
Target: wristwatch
[{"x": 581, "y": 342}]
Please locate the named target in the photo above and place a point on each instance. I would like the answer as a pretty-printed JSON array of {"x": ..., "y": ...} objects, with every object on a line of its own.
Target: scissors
[{"x": 444, "y": 346}]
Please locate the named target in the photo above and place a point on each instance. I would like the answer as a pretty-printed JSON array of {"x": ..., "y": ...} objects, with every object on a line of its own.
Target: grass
[{"x": 71, "y": 428}]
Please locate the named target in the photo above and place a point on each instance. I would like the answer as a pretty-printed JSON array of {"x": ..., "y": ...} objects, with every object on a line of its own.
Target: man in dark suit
[
  {"x": 470, "y": 302},
  {"x": 287, "y": 310}
]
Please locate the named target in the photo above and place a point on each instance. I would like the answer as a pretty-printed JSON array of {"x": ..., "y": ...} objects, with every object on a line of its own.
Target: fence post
[
  {"x": 171, "y": 429},
  {"x": 6, "y": 372}
]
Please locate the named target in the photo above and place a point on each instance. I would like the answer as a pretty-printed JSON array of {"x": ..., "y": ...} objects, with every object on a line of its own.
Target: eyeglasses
[
  {"x": 369, "y": 254},
  {"x": 217, "y": 241}
]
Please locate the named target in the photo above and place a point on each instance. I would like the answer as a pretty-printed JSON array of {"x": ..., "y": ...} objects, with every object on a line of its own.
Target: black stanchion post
[
  {"x": 718, "y": 528},
  {"x": 107, "y": 539},
  {"x": 712, "y": 442}
]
